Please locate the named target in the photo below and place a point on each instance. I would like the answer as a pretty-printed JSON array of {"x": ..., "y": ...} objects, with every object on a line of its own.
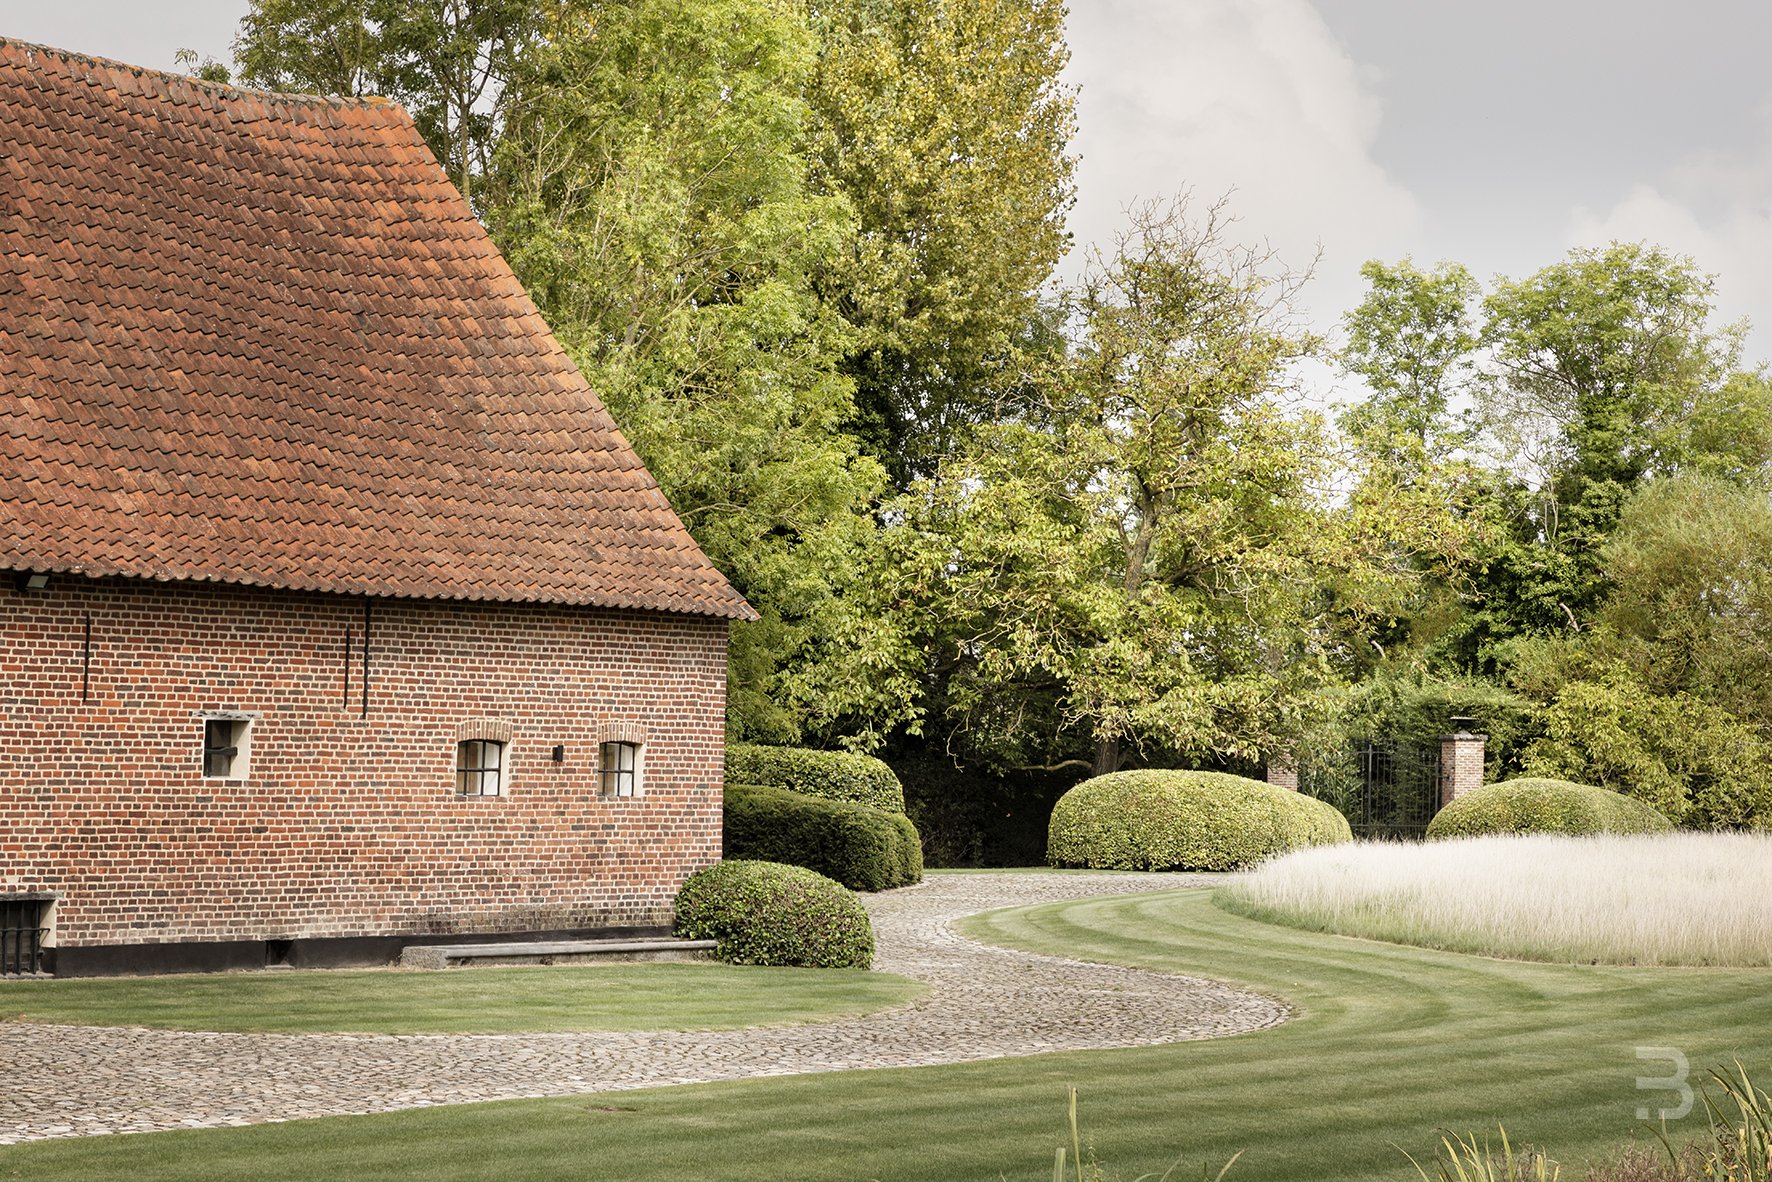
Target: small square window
[
  {"x": 621, "y": 769},
  {"x": 479, "y": 767},
  {"x": 225, "y": 747}
]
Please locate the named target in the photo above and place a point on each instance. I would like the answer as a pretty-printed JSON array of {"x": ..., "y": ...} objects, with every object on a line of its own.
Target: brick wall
[
  {"x": 349, "y": 823},
  {"x": 1282, "y": 772}
]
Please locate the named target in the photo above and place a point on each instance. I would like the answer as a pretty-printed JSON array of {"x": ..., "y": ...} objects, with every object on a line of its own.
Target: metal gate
[
  {"x": 1399, "y": 789},
  {"x": 23, "y": 927}
]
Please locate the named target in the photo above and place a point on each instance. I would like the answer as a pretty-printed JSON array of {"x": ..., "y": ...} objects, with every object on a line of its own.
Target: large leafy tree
[
  {"x": 944, "y": 124},
  {"x": 1619, "y": 584},
  {"x": 1586, "y": 380},
  {"x": 1605, "y": 370},
  {"x": 1691, "y": 604},
  {"x": 1133, "y": 566},
  {"x": 1412, "y": 339},
  {"x": 1669, "y": 695}
]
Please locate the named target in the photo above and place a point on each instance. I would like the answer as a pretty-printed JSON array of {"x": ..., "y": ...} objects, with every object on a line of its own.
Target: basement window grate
[{"x": 24, "y": 925}]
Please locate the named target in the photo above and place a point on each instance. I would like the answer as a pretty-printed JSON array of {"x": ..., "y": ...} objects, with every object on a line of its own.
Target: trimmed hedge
[
  {"x": 833, "y": 775},
  {"x": 1184, "y": 820},
  {"x": 769, "y": 914},
  {"x": 865, "y": 849},
  {"x": 1544, "y": 806},
  {"x": 1320, "y": 822}
]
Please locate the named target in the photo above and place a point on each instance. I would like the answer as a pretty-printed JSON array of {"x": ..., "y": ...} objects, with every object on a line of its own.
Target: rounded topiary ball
[
  {"x": 1184, "y": 820},
  {"x": 1544, "y": 806},
  {"x": 1318, "y": 822},
  {"x": 770, "y": 914},
  {"x": 832, "y": 775}
]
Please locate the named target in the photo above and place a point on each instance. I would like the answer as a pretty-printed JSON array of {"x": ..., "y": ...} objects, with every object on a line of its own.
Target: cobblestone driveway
[{"x": 982, "y": 1003}]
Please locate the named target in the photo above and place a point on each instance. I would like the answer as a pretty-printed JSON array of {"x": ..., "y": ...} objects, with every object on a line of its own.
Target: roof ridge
[{"x": 221, "y": 89}]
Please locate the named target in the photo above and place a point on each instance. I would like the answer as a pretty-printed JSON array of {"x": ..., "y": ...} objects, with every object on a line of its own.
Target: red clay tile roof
[{"x": 261, "y": 339}]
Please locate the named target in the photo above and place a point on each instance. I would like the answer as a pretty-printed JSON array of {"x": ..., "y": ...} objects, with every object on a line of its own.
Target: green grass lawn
[
  {"x": 1389, "y": 1044},
  {"x": 508, "y": 1000}
]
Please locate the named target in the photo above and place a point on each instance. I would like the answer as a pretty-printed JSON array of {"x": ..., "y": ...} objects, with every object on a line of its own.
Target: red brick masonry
[{"x": 349, "y": 823}]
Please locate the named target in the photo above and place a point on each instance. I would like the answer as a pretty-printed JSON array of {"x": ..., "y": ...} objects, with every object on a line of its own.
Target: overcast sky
[{"x": 1498, "y": 133}]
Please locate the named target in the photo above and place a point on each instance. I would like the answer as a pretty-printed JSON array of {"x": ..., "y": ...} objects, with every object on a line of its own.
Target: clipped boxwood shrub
[
  {"x": 770, "y": 914},
  {"x": 833, "y": 775},
  {"x": 1183, "y": 820},
  {"x": 1544, "y": 806},
  {"x": 865, "y": 849},
  {"x": 1312, "y": 821}
]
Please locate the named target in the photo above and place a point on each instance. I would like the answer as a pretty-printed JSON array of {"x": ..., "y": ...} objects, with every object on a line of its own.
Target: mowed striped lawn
[{"x": 1389, "y": 1044}]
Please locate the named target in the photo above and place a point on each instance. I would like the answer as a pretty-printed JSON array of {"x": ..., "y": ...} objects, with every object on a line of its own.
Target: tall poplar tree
[
  {"x": 946, "y": 127},
  {"x": 652, "y": 191}
]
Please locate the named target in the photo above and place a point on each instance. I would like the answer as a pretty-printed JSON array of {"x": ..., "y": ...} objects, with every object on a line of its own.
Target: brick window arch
[{"x": 621, "y": 760}]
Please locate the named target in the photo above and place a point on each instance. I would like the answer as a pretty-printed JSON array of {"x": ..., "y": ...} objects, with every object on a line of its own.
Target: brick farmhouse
[{"x": 337, "y": 614}]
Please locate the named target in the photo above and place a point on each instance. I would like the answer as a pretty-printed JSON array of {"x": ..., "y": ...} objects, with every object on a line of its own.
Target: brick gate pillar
[
  {"x": 1282, "y": 771},
  {"x": 1461, "y": 761}
]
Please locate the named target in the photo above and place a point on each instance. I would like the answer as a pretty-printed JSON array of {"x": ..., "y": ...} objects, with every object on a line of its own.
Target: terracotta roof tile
[{"x": 261, "y": 339}]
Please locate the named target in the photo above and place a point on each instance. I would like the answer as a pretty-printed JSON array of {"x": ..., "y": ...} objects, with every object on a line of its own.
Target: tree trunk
[
  {"x": 1107, "y": 756},
  {"x": 1150, "y": 508}
]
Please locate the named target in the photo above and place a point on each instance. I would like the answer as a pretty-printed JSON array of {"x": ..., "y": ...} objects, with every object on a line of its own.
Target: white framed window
[
  {"x": 620, "y": 768},
  {"x": 480, "y": 767},
  {"x": 227, "y": 746}
]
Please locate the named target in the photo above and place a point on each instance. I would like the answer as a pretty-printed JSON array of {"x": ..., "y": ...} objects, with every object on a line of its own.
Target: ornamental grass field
[{"x": 1673, "y": 899}]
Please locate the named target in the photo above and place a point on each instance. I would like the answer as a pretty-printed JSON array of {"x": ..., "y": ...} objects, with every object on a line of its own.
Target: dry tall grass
[{"x": 1671, "y": 899}]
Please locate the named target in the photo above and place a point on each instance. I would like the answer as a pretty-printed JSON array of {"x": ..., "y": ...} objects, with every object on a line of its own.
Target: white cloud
[
  {"x": 1716, "y": 208},
  {"x": 1252, "y": 95}
]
